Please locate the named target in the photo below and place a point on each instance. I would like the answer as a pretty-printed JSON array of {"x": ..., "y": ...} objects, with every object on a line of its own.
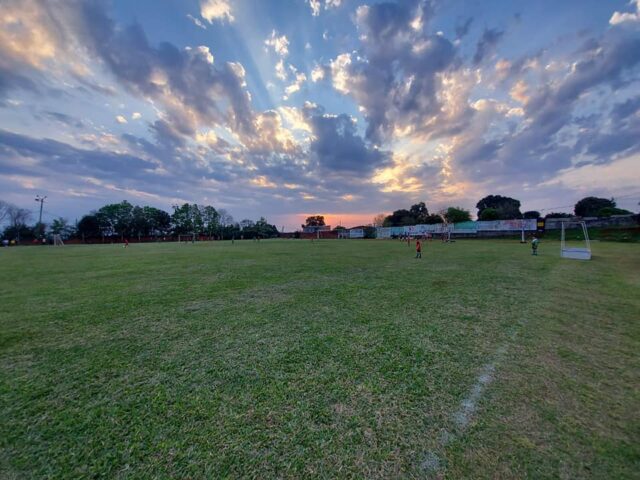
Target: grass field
[{"x": 331, "y": 359}]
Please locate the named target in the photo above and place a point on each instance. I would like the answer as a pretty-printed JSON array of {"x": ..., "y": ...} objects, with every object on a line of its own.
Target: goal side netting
[{"x": 574, "y": 241}]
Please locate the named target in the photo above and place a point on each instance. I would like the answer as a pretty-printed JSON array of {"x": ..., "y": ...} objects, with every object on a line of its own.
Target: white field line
[{"x": 431, "y": 462}]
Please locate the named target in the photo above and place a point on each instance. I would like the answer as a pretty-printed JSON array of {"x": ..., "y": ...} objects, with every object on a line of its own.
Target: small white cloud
[
  {"x": 212, "y": 10},
  {"x": 206, "y": 53},
  {"x": 618, "y": 17},
  {"x": 136, "y": 116},
  {"x": 315, "y": 7},
  {"x": 281, "y": 71},
  {"x": 280, "y": 44},
  {"x": 340, "y": 72},
  {"x": 196, "y": 21},
  {"x": 121, "y": 119},
  {"x": 295, "y": 86},
  {"x": 317, "y": 74}
]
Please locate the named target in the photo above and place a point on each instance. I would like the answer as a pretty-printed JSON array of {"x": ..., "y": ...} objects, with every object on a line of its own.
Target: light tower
[{"x": 40, "y": 199}]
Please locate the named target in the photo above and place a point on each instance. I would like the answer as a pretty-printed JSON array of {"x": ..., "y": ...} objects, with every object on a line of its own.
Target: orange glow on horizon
[{"x": 348, "y": 220}]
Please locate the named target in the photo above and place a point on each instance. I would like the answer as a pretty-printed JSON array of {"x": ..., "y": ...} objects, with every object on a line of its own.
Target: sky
[{"x": 347, "y": 108}]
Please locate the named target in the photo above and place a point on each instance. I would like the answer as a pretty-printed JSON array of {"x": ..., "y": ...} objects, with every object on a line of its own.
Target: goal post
[
  {"x": 576, "y": 253},
  {"x": 57, "y": 240}
]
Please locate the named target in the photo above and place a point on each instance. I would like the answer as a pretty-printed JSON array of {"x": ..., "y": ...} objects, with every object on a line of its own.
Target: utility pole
[{"x": 41, "y": 200}]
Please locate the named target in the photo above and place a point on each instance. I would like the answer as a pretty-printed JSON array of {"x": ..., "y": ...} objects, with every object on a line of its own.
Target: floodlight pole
[{"x": 41, "y": 200}]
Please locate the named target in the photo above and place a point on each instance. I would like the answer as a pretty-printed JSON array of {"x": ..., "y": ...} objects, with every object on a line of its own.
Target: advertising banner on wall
[
  {"x": 529, "y": 224},
  {"x": 516, "y": 225}
]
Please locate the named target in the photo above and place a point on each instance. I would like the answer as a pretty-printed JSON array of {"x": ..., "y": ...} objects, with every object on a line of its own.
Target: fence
[{"x": 462, "y": 228}]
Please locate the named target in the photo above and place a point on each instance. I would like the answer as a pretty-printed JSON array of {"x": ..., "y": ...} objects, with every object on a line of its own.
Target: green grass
[{"x": 330, "y": 359}]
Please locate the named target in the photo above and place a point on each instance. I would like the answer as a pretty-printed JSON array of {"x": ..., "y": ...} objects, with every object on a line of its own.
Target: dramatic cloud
[
  {"x": 395, "y": 77},
  {"x": 336, "y": 145}
]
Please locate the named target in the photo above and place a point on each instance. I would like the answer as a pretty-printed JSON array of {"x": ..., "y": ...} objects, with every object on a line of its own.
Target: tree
[
  {"x": 158, "y": 221},
  {"x": 139, "y": 222},
  {"x": 225, "y": 218},
  {"x": 19, "y": 232},
  {"x": 419, "y": 213},
  {"x": 264, "y": 229},
  {"x": 89, "y": 227},
  {"x": 187, "y": 219},
  {"x": 378, "y": 220},
  {"x": 531, "y": 214},
  {"x": 314, "y": 221},
  {"x": 4, "y": 210},
  {"x": 433, "y": 219},
  {"x": 246, "y": 223},
  {"x": 507, "y": 207},
  {"x": 60, "y": 226},
  {"x": 489, "y": 214},
  {"x": 590, "y": 206},
  {"x": 558, "y": 215},
  {"x": 457, "y": 214},
  {"x": 116, "y": 219},
  {"x": 608, "y": 211},
  {"x": 210, "y": 220},
  {"x": 399, "y": 218},
  {"x": 18, "y": 218}
]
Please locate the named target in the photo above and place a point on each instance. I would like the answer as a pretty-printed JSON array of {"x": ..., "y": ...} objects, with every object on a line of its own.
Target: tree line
[
  {"x": 125, "y": 220},
  {"x": 493, "y": 207}
]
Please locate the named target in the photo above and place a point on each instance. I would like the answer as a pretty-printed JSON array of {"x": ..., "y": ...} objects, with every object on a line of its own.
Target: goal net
[
  {"x": 574, "y": 241},
  {"x": 57, "y": 241},
  {"x": 191, "y": 237}
]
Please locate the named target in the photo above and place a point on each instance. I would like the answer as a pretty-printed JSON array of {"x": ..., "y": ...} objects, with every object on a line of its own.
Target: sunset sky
[{"x": 348, "y": 108}]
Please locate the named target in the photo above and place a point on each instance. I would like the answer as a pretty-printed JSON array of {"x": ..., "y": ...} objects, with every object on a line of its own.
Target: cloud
[
  {"x": 271, "y": 135},
  {"x": 185, "y": 82},
  {"x": 64, "y": 119},
  {"x": 463, "y": 28},
  {"x": 196, "y": 21},
  {"x": 281, "y": 71},
  {"x": 212, "y": 10},
  {"x": 624, "y": 17},
  {"x": 551, "y": 137},
  {"x": 487, "y": 44},
  {"x": 47, "y": 156},
  {"x": 395, "y": 76},
  {"x": 120, "y": 119},
  {"x": 136, "y": 116},
  {"x": 279, "y": 44},
  {"x": 316, "y": 5},
  {"x": 296, "y": 85},
  {"x": 336, "y": 146}
]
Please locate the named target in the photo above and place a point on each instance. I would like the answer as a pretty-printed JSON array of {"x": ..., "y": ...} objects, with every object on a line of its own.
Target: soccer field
[{"x": 333, "y": 359}]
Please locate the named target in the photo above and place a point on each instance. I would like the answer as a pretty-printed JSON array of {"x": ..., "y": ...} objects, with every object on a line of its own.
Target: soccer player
[
  {"x": 534, "y": 246},
  {"x": 126, "y": 243},
  {"x": 418, "y": 249}
]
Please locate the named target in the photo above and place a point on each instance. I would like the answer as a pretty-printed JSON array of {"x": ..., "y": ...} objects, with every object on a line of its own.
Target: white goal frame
[{"x": 576, "y": 253}]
